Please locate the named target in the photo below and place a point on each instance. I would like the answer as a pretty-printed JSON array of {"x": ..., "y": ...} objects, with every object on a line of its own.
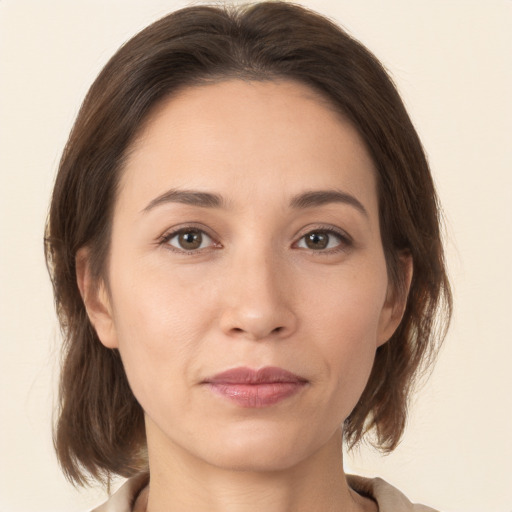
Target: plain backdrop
[{"x": 452, "y": 62}]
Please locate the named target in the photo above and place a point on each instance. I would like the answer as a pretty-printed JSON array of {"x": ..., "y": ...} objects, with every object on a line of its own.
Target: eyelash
[
  {"x": 167, "y": 237},
  {"x": 345, "y": 241}
]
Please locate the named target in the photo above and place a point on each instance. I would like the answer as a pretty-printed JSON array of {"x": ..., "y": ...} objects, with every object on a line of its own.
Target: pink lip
[{"x": 256, "y": 388}]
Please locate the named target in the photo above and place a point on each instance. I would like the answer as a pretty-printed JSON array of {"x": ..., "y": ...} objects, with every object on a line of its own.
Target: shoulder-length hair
[{"x": 100, "y": 427}]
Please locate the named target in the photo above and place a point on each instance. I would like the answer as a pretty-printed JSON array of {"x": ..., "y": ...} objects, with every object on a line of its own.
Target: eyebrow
[
  {"x": 323, "y": 197},
  {"x": 190, "y": 197},
  {"x": 210, "y": 200}
]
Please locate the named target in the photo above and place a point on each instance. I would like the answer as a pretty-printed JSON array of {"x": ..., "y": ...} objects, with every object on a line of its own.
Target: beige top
[{"x": 388, "y": 498}]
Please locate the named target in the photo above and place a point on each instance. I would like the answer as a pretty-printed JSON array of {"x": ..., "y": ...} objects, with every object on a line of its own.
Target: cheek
[
  {"x": 347, "y": 333},
  {"x": 159, "y": 325},
  {"x": 350, "y": 360},
  {"x": 156, "y": 304}
]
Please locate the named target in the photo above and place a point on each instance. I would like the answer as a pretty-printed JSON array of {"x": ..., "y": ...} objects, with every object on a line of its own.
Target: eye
[
  {"x": 188, "y": 239},
  {"x": 323, "y": 239}
]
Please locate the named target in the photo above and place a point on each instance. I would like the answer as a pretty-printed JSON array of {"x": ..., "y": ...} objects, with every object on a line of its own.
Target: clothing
[{"x": 388, "y": 498}]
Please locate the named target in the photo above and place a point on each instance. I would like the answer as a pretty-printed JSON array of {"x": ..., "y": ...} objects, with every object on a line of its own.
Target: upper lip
[{"x": 243, "y": 375}]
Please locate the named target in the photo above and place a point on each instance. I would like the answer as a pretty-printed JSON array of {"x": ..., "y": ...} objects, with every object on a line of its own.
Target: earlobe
[
  {"x": 96, "y": 300},
  {"x": 396, "y": 301}
]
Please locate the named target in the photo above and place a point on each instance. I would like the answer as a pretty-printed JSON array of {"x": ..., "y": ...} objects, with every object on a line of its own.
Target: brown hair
[{"x": 100, "y": 428}]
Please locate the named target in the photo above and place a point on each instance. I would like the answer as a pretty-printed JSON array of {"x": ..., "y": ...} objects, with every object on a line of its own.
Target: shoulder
[
  {"x": 389, "y": 498},
  {"x": 123, "y": 499}
]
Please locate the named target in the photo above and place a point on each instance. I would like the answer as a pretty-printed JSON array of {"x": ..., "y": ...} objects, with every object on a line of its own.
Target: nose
[{"x": 258, "y": 300}]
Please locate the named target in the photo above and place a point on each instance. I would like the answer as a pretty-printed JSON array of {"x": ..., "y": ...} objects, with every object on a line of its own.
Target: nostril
[
  {"x": 257, "y": 323},
  {"x": 239, "y": 330}
]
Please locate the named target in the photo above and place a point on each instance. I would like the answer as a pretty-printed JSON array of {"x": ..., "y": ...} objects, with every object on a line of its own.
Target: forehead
[{"x": 240, "y": 137}]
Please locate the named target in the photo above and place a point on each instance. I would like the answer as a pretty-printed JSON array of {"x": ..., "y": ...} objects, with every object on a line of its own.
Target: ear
[
  {"x": 96, "y": 300},
  {"x": 396, "y": 301}
]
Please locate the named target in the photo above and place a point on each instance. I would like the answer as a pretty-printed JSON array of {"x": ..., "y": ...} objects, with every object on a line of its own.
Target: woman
[{"x": 244, "y": 245}]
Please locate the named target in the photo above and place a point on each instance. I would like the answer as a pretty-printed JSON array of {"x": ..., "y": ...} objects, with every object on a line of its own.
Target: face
[{"x": 247, "y": 285}]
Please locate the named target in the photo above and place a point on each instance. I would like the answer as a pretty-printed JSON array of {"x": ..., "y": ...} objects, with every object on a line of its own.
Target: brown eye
[
  {"x": 189, "y": 240},
  {"x": 317, "y": 240},
  {"x": 321, "y": 240}
]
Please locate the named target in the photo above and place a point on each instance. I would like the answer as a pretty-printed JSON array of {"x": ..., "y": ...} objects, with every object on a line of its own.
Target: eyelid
[
  {"x": 346, "y": 241},
  {"x": 168, "y": 235}
]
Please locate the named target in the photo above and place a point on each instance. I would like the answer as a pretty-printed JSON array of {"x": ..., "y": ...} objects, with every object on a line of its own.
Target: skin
[{"x": 253, "y": 294}]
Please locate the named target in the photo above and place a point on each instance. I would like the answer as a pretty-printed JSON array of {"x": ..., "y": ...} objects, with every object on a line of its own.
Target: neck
[{"x": 182, "y": 483}]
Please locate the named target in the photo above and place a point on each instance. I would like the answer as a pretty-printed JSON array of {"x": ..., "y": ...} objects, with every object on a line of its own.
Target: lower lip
[{"x": 257, "y": 395}]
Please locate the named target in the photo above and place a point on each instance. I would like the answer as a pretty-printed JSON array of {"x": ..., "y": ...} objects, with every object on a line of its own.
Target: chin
[{"x": 260, "y": 451}]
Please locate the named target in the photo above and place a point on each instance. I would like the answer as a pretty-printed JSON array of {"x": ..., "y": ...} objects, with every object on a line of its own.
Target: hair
[{"x": 100, "y": 427}]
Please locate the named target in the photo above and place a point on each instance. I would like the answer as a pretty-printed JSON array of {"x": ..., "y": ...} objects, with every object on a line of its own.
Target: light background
[{"x": 452, "y": 61}]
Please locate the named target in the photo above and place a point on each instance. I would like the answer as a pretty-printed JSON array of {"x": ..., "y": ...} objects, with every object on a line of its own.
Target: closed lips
[{"x": 256, "y": 388}]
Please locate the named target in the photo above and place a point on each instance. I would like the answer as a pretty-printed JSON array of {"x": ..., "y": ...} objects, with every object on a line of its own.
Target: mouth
[{"x": 256, "y": 388}]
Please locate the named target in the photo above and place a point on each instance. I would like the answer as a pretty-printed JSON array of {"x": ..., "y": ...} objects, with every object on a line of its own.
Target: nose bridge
[{"x": 257, "y": 301}]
